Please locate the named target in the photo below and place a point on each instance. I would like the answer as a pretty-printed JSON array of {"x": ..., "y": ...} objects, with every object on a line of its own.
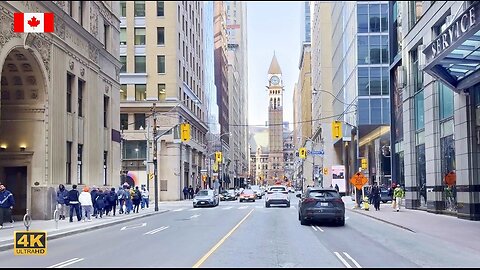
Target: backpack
[{"x": 136, "y": 196}]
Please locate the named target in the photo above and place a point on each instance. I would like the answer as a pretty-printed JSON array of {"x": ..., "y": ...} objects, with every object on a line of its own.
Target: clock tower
[{"x": 275, "y": 90}]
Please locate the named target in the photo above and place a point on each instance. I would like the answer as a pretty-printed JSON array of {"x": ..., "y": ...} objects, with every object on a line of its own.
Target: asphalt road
[{"x": 246, "y": 235}]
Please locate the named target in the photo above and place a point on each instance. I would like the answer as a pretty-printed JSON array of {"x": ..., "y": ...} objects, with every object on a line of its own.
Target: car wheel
[
  {"x": 288, "y": 204},
  {"x": 241, "y": 200},
  {"x": 267, "y": 205},
  {"x": 253, "y": 200},
  {"x": 194, "y": 206},
  {"x": 299, "y": 217},
  {"x": 341, "y": 222},
  {"x": 303, "y": 221}
]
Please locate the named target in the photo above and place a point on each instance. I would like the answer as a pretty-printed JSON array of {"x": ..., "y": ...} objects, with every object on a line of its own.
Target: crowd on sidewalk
[{"x": 98, "y": 202}]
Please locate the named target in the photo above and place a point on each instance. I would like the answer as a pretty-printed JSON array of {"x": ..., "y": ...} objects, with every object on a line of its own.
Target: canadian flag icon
[{"x": 33, "y": 22}]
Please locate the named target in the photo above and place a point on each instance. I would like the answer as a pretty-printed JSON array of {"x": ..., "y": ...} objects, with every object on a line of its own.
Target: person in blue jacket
[{"x": 6, "y": 205}]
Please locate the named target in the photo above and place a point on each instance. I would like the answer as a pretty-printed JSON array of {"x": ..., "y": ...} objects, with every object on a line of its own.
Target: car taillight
[{"x": 308, "y": 200}]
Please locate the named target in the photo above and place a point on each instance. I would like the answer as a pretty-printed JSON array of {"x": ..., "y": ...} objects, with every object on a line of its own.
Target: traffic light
[
  {"x": 364, "y": 164},
  {"x": 218, "y": 156},
  {"x": 336, "y": 129},
  {"x": 185, "y": 132},
  {"x": 302, "y": 153}
]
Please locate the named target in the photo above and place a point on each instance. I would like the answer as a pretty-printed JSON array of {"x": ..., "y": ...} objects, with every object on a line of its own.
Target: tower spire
[{"x": 274, "y": 67}]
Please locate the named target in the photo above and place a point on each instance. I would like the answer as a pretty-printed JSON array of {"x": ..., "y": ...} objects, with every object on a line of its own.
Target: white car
[{"x": 277, "y": 194}]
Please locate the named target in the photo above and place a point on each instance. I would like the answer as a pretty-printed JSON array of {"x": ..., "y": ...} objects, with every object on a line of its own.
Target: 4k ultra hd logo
[{"x": 30, "y": 243}]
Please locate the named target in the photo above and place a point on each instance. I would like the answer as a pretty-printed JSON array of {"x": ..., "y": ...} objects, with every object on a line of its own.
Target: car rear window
[
  {"x": 278, "y": 189},
  {"x": 247, "y": 191},
  {"x": 323, "y": 194}
]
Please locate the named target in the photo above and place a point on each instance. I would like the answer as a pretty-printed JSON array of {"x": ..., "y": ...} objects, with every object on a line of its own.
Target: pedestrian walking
[
  {"x": 121, "y": 200},
  {"x": 94, "y": 194},
  {"x": 190, "y": 192},
  {"x": 398, "y": 194},
  {"x": 85, "y": 200},
  {"x": 337, "y": 188},
  {"x": 375, "y": 194},
  {"x": 7, "y": 202},
  {"x": 145, "y": 197},
  {"x": 136, "y": 199},
  {"x": 185, "y": 193},
  {"x": 112, "y": 199},
  {"x": 74, "y": 203},
  {"x": 62, "y": 200},
  {"x": 100, "y": 203},
  {"x": 128, "y": 200}
]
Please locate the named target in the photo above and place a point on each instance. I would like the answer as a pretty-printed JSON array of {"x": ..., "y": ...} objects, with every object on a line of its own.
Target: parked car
[
  {"x": 206, "y": 197},
  {"x": 228, "y": 195},
  {"x": 277, "y": 194},
  {"x": 318, "y": 204},
  {"x": 247, "y": 195},
  {"x": 385, "y": 195}
]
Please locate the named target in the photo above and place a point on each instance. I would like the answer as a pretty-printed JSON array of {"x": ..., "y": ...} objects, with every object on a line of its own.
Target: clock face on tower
[{"x": 275, "y": 80}]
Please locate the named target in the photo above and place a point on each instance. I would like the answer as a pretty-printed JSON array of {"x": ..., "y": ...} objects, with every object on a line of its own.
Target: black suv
[{"x": 318, "y": 204}]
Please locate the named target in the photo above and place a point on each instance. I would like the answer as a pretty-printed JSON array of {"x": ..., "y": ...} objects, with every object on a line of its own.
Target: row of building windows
[
  {"x": 374, "y": 111},
  {"x": 141, "y": 64},
  {"x": 372, "y": 18},
  {"x": 373, "y": 81},
  {"x": 71, "y": 79},
  {"x": 68, "y": 165},
  {"x": 141, "y": 92},
  {"x": 139, "y": 9},
  {"x": 140, "y": 36},
  {"x": 372, "y": 49}
]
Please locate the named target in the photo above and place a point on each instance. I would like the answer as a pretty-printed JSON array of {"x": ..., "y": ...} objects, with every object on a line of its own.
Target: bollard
[
  {"x": 56, "y": 217},
  {"x": 27, "y": 220}
]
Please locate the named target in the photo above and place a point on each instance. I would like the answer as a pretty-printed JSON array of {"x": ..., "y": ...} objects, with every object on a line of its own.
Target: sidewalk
[
  {"x": 66, "y": 228},
  {"x": 449, "y": 228}
]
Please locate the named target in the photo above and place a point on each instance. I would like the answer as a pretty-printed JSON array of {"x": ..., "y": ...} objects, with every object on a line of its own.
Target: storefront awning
[{"x": 454, "y": 56}]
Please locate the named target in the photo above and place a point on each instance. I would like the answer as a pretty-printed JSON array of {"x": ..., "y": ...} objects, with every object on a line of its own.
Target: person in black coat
[
  {"x": 190, "y": 192},
  {"x": 112, "y": 201},
  {"x": 136, "y": 199},
  {"x": 100, "y": 203},
  {"x": 74, "y": 203}
]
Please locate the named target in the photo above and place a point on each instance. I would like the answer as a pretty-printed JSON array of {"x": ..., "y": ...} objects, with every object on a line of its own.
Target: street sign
[
  {"x": 316, "y": 153},
  {"x": 451, "y": 178},
  {"x": 358, "y": 180}
]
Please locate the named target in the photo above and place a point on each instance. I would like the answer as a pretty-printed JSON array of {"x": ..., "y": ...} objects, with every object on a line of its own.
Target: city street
[{"x": 247, "y": 235}]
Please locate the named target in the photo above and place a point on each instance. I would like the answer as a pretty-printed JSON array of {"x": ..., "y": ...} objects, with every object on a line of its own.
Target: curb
[
  {"x": 382, "y": 220},
  {"x": 54, "y": 235}
]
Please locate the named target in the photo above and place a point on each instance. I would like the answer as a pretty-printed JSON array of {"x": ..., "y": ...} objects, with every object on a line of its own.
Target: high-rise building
[
  {"x": 436, "y": 104},
  {"x": 59, "y": 102},
  {"x": 275, "y": 90},
  {"x": 161, "y": 46},
  {"x": 322, "y": 90},
  {"x": 221, "y": 77},
  {"x": 237, "y": 87},
  {"x": 213, "y": 142},
  {"x": 360, "y": 86}
]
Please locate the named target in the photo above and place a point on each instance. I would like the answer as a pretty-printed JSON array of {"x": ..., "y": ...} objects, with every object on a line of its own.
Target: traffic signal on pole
[
  {"x": 336, "y": 129},
  {"x": 185, "y": 132},
  {"x": 218, "y": 156},
  {"x": 302, "y": 153}
]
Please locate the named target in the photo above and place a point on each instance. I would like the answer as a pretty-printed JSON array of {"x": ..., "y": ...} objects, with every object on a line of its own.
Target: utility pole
[{"x": 155, "y": 170}]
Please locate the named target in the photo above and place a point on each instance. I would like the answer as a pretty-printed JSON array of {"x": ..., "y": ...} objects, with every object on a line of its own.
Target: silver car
[{"x": 206, "y": 197}]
